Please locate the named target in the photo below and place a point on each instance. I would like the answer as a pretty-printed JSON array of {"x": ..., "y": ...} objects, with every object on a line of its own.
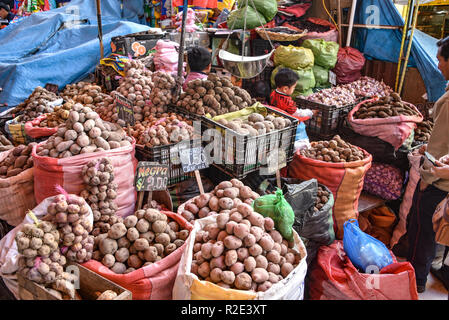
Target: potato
[
  {"x": 243, "y": 281},
  {"x": 202, "y": 200},
  {"x": 231, "y": 193},
  {"x": 192, "y": 207},
  {"x": 228, "y": 277},
  {"x": 213, "y": 204},
  {"x": 268, "y": 224},
  {"x": 249, "y": 240},
  {"x": 222, "y": 220},
  {"x": 158, "y": 226},
  {"x": 222, "y": 235},
  {"x": 245, "y": 192},
  {"x": 273, "y": 268},
  {"x": 237, "y": 183},
  {"x": 143, "y": 226},
  {"x": 286, "y": 268},
  {"x": 130, "y": 221},
  {"x": 250, "y": 264},
  {"x": 231, "y": 257},
  {"x": 141, "y": 244},
  {"x": 183, "y": 234},
  {"x": 217, "y": 249},
  {"x": 244, "y": 209},
  {"x": 108, "y": 260},
  {"x": 204, "y": 269},
  {"x": 108, "y": 246},
  {"x": 290, "y": 258},
  {"x": 259, "y": 275},
  {"x": 236, "y": 216},
  {"x": 257, "y": 232},
  {"x": 272, "y": 277},
  {"x": 226, "y": 203},
  {"x": 150, "y": 254},
  {"x": 118, "y": 268},
  {"x": 284, "y": 249},
  {"x": 206, "y": 250},
  {"x": 232, "y": 242},
  {"x": 264, "y": 286},
  {"x": 261, "y": 262},
  {"x": 230, "y": 227},
  {"x": 134, "y": 261},
  {"x": 266, "y": 242},
  {"x": 123, "y": 242},
  {"x": 218, "y": 262},
  {"x": 212, "y": 230},
  {"x": 225, "y": 184},
  {"x": 163, "y": 239},
  {"x": 241, "y": 230},
  {"x": 276, "y": 236},
  {"x": 117, "y": 231},
  {"x": 256, "y": 219},
  {"x": 255, "y": 250}
]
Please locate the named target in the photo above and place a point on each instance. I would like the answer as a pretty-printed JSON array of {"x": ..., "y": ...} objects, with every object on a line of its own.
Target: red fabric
[
  {"x": 298, "y": 9},
  {"x": 153, "y": 282},
  {"x": 331, "y": 35},
  {"x": 33, "y": 130},
  {"x": 349, "y": 65},
  {"x": 334, "y": 277},
  {"x": 253, "y": 33},
  {"x": 283, "y": 102},
  {"x": 197, "y": 3},
  {"x": 66, "y": 172}
]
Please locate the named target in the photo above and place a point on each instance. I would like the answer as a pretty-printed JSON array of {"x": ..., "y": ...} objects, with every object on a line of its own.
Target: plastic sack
[
  {"x": 294, "y": 57},
  {"x": 153, "y": 282},
  {"x": 364, "y": 251},
  {"x": 321, "y": 75},
  {"x": 394, "y": 130},
  {"x": 66, "y": 172},
  {"x": 268, "y": 8},
  {"x": 378, "y": 223},
  {"x": 384, "y": 181},
  {"x": 33, "y": 130},
  {"x": 236, "y": 18},
  {"x": 344, "y": 179},
  {"x": 407, "y": 199},
  {"x": 334, "y": 277},
  {"x": 305, "y": 83},
  {"x": 9, "y": 255},
  {"x": 189, "y": 287},
  {"x": 277, "y": 208},
  {"x": 16, "y": 194},
  {"x": 325, "y": 52},
  {"x": 349, "y": 65}
]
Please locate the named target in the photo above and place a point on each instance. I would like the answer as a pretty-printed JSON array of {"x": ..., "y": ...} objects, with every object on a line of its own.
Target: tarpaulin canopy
[
  {"x": 385, "y": 44},
  {"x": 51, "y": 47}
]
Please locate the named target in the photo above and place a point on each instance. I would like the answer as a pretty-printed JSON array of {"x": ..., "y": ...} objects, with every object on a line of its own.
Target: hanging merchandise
[
  {"x": 190, "y": 21},
  {"x": 267, "y": 8},
  {"x": 325, "y": 52},
  {"x": 365, "y": 252},
  {"x": 236, "y": 19},
  {"x": 196, "y": 3},
  {"x": 294, "y": 57},
  {"x": 349, "y": 65},
  {"x": 334, "y": 277}
]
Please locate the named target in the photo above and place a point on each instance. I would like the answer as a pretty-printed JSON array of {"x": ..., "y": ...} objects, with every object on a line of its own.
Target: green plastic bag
[
  {"x": 305, "y": 93},
  {"x": 277, "y": 208},
  {"x": 268, "y": 8},
  {"x": 305, "y": 83},
  {"x": 325, "y": 52},
  {"x": 294, "y": 57},
  {"x": 236, "y": 19},
  {"x": 321, "y": 75}
]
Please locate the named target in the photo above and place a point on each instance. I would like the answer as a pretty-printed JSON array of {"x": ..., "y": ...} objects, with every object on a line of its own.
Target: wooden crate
[{"x": 90, "y": 282}]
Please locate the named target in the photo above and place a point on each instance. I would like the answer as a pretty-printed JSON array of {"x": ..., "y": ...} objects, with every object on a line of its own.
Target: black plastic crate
[
  {"x": 328, "y": 121},
  {"x": 242, "y": 155},
  {"x": 105, "y": 77},
  {"x": 260, "y": 47},
  {"x": 265, "y": 76},
  {"x": 123, "y": 44}
]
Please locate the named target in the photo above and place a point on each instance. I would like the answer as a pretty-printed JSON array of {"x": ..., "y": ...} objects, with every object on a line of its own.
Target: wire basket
[{"x": 266, "y": 34}]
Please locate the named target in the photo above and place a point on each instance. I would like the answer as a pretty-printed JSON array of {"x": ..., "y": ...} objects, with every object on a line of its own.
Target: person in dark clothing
[{"x": 5, "y": 12}]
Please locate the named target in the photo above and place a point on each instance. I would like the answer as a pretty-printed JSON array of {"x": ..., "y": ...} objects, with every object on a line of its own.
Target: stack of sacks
[
  {"x": 300, "y": 60},
  {"x": 190, "y": 21},
  {"x": 166, "y": 57}
]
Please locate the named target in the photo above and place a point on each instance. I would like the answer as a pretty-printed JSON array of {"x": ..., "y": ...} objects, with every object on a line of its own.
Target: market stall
[{"x": 156, "y": 189}]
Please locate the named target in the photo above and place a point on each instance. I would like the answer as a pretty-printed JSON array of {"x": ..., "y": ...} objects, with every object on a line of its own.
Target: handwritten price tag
[{"x": 151, "y": 176}]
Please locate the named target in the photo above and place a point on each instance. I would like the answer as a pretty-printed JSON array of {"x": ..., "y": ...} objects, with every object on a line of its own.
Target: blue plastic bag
[
  {"x": 364, "y": 251},
  {"x": 301, "y": 133}
]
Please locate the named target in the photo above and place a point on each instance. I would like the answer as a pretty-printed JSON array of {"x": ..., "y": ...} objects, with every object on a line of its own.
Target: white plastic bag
[
  {"x": 9, "y": 256},
  {"x": 290, "y": 288}
]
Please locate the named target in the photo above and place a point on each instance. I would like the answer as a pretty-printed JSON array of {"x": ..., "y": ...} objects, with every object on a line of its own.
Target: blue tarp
[
  {"x": 385, "y": 44},
  {"x": 49, "y": 47}
]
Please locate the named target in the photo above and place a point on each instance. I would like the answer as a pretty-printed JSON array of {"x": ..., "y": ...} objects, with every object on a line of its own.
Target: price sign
[
  {"x": 193, "y": 159},
  {"x": 124, "y": 109},
  {"x": 332, "y": 78},
  {"x": 151, "y": 176}
]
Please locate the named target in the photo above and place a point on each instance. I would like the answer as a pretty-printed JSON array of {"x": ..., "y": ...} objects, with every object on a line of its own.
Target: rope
[
  {"x": 263, "y": 27},
  {"x": 328, "y": 13}
]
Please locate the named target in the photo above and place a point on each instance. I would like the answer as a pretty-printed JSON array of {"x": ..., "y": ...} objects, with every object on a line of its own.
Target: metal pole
[
  {"x": 179, "y": 79},
  {"x": 100, "y": 29},
  {"x": 404, "y": 36},
  {"x": 351, "y": 22},
  {"x": 340, "y": 33},
  {"x": 407, "y": 56}
]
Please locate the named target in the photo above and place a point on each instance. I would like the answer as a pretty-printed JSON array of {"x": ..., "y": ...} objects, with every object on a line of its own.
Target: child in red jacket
[{"x": 285, "y": 81}]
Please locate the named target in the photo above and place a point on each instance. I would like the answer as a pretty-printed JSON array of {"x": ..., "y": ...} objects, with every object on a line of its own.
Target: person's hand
[
  {"x": 440, "y": 170},
  {"x": 444, "y": 160},
  {"x": 423, "y": 149}
]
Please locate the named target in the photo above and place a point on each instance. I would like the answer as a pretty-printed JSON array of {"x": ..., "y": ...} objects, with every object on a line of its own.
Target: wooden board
[
  {"x": 369, "y": 202},
  {"x": 90, "y": 282}
]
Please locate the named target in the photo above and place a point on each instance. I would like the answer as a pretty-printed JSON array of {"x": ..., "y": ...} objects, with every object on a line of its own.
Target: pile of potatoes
[
  {"x": 40, "y": 260},
  {"x": 5, "y": 144},
  {"x": 423, "y": 131},
  {"x": 227, "y": 195},
  {"x": 139, "y": 240},
  {"x": 84, "y": 132},
  {"x": 35, "y": 105},
  {"x": 71, "y": 216},
  {"x": 170, "y": 128},
  {"x": 322, "y": 197},
  {"x": 162, "y": 94},
  {"x": 57, "y": 117},
  {"x": 100, "y": 192},
  {"x": 256, "y": 124},
  {"x": 335, "y": 150},
  {"x": 88, "y": 94},
  {"x": 214, "y": 95},
  {"x": 242, "y": 250},
  {"x": 17, "y": 161},
  {"x": 388, "y": 106}
]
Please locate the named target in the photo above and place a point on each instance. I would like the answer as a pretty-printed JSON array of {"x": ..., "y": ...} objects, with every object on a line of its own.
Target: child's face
[{"x": 288, "y": 90}]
